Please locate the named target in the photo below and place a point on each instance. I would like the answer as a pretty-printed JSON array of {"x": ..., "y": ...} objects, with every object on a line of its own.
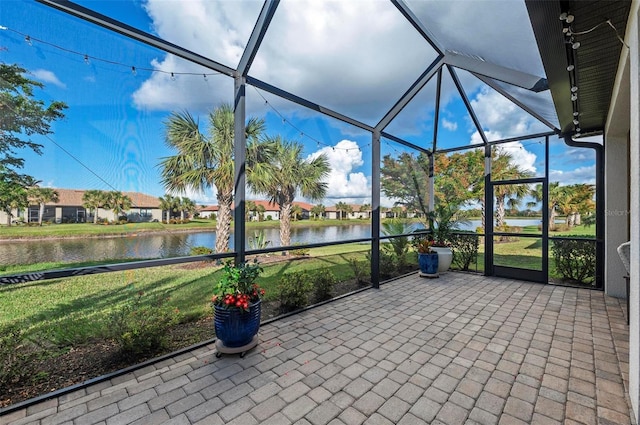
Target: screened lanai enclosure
[
  {"x": 412, "y": 114},
  {"x": 145, "y": 143}
]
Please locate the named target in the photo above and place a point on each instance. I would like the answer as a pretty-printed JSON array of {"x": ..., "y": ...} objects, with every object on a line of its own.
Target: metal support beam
[
  {"x": 306, "y": 103},
  {"x": 436, "y": 116},
  {"x": 375, "y": 207},
  {"x": 432, "y": 195},
  {"x": 417, "y": 24},
  {"x": 465, "y": 99},
  {"x": 415, "y": 88},
  {"x": 405, "y": 143},
  {"x": 497, "y": 72},
  {"x": 600, "y": 204},
  {"x": 135, "y": 34},
  {"x": 257, "y": 35},
  {"x": 491, "y": 83},
  {"x": 488, "y": 214},
  {"x": 239, "y": 164}
]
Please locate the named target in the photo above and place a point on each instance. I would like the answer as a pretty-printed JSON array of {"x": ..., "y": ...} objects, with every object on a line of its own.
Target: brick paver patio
[{"x": 461, "y": 349}]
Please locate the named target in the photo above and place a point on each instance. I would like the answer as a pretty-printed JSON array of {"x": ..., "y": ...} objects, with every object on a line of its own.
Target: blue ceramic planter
[
  {"x": 428, "y": 263},
  {"x": 235, "y": 327}
]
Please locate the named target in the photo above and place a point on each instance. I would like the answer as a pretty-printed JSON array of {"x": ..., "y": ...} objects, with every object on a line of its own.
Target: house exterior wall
[{"x": 632, "y": 38}]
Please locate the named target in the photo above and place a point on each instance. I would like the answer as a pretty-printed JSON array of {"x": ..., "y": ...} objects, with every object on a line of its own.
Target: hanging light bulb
[
  {"x": 570, "y": 19},
  {"x": 173, "y": 77},
  {"x": 28, "y": 40},
  {"x": 576, "y": 113},
  {"x": 133, "y": 71},
  {"x": 86, "y": 59},
  {"x": 575, "y": 45},
  {"x": 578, "y": 130}
]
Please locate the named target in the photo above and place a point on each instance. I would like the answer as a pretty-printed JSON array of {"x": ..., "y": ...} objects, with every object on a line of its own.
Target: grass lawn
[{"x": 75, "y": 310}]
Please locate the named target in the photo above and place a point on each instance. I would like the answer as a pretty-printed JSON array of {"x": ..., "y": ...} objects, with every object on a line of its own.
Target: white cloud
[
  {"x": 48, "y": 77},
  {"x": 521, "y": 157},
  {"x": 579, "y": 175},
  {"x": 343, "y": 183},
  {"x": 449, "y": 125}
]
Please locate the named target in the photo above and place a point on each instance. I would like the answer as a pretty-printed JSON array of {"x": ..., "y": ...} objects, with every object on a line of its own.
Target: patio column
[
  {"x": 240, "y": 145},
  {"x": 632, "y": 38},
  {"x": 616, "y": 176},
  {"x": 375, "y": 209}
]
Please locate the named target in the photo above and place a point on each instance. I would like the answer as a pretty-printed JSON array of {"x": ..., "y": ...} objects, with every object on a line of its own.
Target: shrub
[
  {"x": 302, "y": 252},
  {"x": 14, "y": 357},
  {"x": 294, "y": 291},
  {"x": 465, "y": 249},
  {"x": 323, "y": 282},
  {"x": 575, "y": 259},
  {"x": 141, "y": 328},
  {"x": 360, "y": 270},
  {"x": 200, "y": 250},
  {"x": 386, "y": 265}
]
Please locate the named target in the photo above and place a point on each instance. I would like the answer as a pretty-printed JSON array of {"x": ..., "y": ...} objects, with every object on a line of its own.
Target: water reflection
[{"x": 143, "y": 246}]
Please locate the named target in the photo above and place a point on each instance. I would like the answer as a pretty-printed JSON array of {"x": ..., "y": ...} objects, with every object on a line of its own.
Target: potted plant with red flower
[
  {"x": 427, "y": 257},
  {"x": 237, "y": 307}
]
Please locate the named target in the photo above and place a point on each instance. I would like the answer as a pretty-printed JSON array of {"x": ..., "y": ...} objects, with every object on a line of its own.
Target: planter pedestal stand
[
  {"x": 430, "y": 275},
  {"x": 223, "y": 349}
]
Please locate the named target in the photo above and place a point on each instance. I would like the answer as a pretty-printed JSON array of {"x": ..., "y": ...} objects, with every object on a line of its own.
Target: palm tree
[
  {"x": 118, "y": 202},
  {"x": 296, "y": 212},
  {"x": 318, "y": 211},
  {"x": 93, "y": 200},
  {"x": 185, "y": 205},
  {"x": 343, "y": 208},
  {"x": 366, "y": 208},
  {"x": 260, "y": 210},
  {"x": 556, "y": 195},
  {"x": 168, "y": 203},
  {"x": 205, "y": 161},
  {"x": 249, "y": 207},
  {"x": 288, "y": 175},
  {"x": 42, "y": 196}
]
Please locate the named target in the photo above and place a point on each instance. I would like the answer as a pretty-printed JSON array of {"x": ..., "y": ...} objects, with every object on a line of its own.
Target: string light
[
  {"x": 302, "y": 133},
  {"x": 86, "y": 57},
  {"x": 133, "y": 71},
  {"x": 173, "y": 77}
]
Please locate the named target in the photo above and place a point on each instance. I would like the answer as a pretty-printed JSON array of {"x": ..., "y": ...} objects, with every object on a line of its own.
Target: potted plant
[
  {"x": 444, "y": 220},
  {"x": 237, "y": 307},
  {"x": 427, "y": 257}
]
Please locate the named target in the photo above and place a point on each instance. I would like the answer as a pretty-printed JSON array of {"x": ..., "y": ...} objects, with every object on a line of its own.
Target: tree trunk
[
  {"x": 40, "y": 213},
  {"x": 483, "y": 216},
  {"x": 577, "y": 219},
  {"x": 9, "y": 215},
  {"x": 95, "y": 215},
  {"x": 223, "y": 222},
  {"x": 552, "y": 218},
  {"x": 181, "y": 215},
  {"x": 285, "y": 224},
  {"x": 499, "y": 211}
]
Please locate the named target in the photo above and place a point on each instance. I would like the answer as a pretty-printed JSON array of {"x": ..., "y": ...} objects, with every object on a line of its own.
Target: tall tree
[
  {"x": 290, "y": 175},
  {"x": 318, "y": 211},
  {"x": 204, "y": 160},
  {"x": 94, "y": 200},
  {"x": 343, "y": 208},
  {"x": 296, "y": 212},
  {"x": 21, "y": 116},
  {"x": 42, "y": 196},
  {"x": 185, "y": 206},
  {"x": 249, "y": 208},
  {"x": 118, "y": 202},
  {"x": 365, "y": 208},
  {"x": 169, "y": 205}
]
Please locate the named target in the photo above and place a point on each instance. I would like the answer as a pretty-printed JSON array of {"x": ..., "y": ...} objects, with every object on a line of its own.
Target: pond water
[{"x": 167, "y": 245}]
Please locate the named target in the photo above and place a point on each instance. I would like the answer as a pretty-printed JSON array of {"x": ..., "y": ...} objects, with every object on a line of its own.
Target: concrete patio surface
[{"x": 461, "y": 349}]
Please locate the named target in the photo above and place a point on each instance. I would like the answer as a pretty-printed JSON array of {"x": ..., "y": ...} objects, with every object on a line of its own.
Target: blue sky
[{"x": 112, "y": 136}]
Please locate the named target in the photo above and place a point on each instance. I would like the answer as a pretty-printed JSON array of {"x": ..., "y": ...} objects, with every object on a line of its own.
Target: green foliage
[
  {"x": 387, "y": 264},
  {"x": 15, "y": 358},
  {"x": 238, "y": 282},
  {"x": 301, "y": 252},
  {"x": 397, "y": 247},
  {"x": 259, "y": 240},
  {"x": 140, "y": 326},
  {"x": 200, "y": 250},
  {"x": 294, "y": 291},
  {"x": 465, "y": 248},
  {"x": 575, "y": 260},
  {"x": 323, "y": 282},
  {"x": 360, "y": 270}
]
